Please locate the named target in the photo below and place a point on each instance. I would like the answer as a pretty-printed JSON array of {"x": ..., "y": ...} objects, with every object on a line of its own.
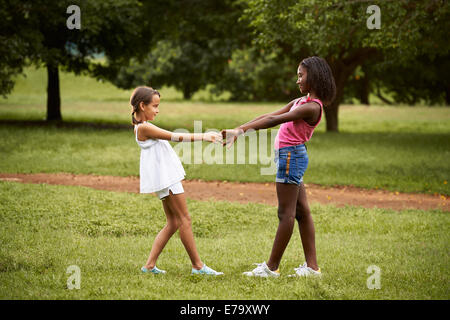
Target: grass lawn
[
  {"x": 398, "y": 162},
  {"x": 394, "y": 148},
  {"x": 45, "y": 229}
]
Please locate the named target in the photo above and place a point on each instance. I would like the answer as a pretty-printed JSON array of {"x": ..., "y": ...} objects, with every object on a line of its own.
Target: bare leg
[
  {"x": 163, "y": 236},
  {"x": 287, "y": 200},
  {"x": 177, "y": 205},
  {"x": 306, "y": 227}
]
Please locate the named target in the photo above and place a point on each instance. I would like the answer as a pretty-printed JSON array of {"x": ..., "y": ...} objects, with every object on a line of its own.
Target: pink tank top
[{"x": 296, "y": 132}]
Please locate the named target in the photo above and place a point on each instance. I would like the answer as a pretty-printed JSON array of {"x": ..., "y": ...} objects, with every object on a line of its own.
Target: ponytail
[{"x": 133, "y": 119}]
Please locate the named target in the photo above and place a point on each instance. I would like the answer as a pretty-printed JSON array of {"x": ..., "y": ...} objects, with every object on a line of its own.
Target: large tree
[
  {"x": 38, "y": 33},
  {"x": 340, "y": 32},
  {"x": 200, "y": 38}
]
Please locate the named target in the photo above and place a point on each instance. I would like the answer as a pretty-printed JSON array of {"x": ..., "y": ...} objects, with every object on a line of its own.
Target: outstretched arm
[
  {"x": 285, "y": 109},
  {"x": 268, "y": 121},
  {"x": 150, "y": 131}
]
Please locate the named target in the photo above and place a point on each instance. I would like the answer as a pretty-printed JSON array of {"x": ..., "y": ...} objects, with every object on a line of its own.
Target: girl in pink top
[
  {"x": 298, "y": 120},
  {"x": 299, "y": 131}
]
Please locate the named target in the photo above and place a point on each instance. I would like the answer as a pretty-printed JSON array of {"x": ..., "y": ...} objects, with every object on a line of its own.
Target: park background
[{"x": 65, "y": 108}]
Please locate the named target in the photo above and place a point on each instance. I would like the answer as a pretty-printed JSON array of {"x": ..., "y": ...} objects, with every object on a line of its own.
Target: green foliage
[
  {"x": 185, "y": 65},
  {"x": 337, "y": 31},
  {"x": 424, "y": 79},
  {"x": 107, "y": 27},
  {"x": 200, "y": 41},
  {"x": 16, "y": 43},
  {"x": 259, "y": 75},
  {"x": 39, "y": 35},
  {"x": 398, "y": 148}
]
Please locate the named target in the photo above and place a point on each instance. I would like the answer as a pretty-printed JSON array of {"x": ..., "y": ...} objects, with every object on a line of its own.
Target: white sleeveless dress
[{"x": 160, "y": 167}]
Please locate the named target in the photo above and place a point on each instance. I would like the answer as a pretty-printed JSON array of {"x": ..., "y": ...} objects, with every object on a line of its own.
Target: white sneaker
[
  {"x": 305, "y": 271},
  {"x": 262, "y": 270}
]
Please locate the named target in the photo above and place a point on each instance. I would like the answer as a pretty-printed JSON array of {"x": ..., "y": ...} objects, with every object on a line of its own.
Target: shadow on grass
[
  {"x": 400, "y": 140},
  {"x": 65, "y": 124}
]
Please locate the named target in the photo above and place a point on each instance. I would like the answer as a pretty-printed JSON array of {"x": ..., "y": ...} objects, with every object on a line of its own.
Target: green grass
[
  {"x": 45, "y": 229},
  {"x": 398, "y": 162},
  {"x": 400, "y": 148},
  {"x": 30, "y": 89}
]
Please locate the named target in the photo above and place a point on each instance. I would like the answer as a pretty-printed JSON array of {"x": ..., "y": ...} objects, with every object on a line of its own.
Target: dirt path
[{"x": 249, "y": 192}]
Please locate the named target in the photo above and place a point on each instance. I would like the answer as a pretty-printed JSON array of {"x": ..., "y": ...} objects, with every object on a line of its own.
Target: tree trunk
[
  {"x": 342, "y": 68},
  {"x": 187, "y": 92},
  {"x": 379, "y": 95},
  {"x": 447, "y": 96},
  {"x": 340, "y": 73},
  {"x": 364, "y": 91},
  {"x": 53, "y": 94},
  {"x": 364, "y": 88},
  {"x": 331, "y": 115}
]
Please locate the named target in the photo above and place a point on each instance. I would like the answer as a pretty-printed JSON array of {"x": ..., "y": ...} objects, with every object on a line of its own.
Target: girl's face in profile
[
  {"x": 152, "y": 108},
  {"x": 301, "y": 80}
]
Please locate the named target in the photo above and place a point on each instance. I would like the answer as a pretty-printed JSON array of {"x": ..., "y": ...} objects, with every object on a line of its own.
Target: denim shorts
[{"x": 291, "y": 164}]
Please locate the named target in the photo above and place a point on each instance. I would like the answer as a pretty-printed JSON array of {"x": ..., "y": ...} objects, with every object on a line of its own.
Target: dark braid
[
  {"x": 141, "y": 94},
  {"x": 320, "y": 78}
]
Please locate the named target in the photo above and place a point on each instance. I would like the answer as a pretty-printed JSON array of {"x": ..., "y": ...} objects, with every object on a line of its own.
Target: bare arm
[
  {"x": 150, "y": 131},
  {"x": 307, "y": 110},
  {"x": 285, "y": 109}
]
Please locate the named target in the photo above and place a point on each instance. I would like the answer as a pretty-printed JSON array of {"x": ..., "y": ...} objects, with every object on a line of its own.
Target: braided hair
[
  {"x": 141, "y": 94},
  {"x": 320, "y": 78}
]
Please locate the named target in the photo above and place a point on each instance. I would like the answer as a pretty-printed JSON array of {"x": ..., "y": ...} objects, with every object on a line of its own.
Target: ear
[{"x": 141, "y": 105}]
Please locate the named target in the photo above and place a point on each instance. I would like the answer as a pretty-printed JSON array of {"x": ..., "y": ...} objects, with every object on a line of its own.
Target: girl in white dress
[{"x": 161, "y": 172}]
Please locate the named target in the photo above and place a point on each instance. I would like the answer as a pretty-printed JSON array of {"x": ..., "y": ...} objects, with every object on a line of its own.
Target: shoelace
[
  {"x": 301, "y": 269},
  {"x": 259, "y": 268}
]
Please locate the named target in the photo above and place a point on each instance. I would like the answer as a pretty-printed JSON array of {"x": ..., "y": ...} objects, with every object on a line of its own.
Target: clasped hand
[
  {"x": 226, "y": 136},
  {"x": 212, "y": 136},
  {"x": 229, "y": 136}
]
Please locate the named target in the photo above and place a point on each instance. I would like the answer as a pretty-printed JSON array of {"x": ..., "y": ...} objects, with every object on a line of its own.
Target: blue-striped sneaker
[
  {"x": 155, "y": 270},
  {"x": 206, "y": 270}
]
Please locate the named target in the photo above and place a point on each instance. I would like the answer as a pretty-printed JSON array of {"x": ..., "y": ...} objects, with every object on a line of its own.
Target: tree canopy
[
  {"x": 194, "y": 51},
  {"x": 249, "y": 48},
  {"x": 337, "y": 30},
  {"x": 35, "y": 31}
]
